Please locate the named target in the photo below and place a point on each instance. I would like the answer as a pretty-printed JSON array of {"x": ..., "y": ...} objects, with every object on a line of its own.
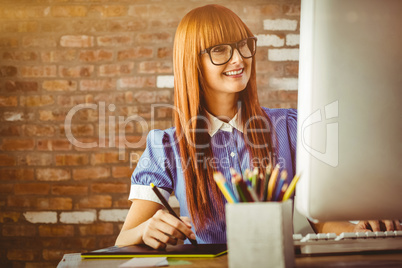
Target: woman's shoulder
[
  {"x": 280, "y": 113},
  {"x": 161, "y": 136}
]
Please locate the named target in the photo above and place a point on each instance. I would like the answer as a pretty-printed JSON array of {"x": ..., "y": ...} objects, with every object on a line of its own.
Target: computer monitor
[{"x": 349, "y": 150}]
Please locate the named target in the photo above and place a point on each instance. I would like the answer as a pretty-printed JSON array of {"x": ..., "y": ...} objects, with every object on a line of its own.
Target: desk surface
[{"x": 377, "y": 260}]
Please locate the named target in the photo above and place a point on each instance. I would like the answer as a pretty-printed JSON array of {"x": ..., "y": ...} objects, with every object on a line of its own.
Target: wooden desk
[{"x": 361, "y": 261}]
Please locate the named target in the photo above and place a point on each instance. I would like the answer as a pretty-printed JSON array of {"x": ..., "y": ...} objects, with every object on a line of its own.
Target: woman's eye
[
  {"x": 242, "y": 43},
  {"x": 219, "y": 49}
]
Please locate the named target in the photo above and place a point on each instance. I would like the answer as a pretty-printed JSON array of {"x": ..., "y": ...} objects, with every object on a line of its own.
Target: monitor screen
[{"x": 349, "y": 150}]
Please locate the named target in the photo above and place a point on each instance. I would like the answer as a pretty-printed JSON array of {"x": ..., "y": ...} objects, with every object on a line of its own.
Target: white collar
[{"x": 217, "y": 124}]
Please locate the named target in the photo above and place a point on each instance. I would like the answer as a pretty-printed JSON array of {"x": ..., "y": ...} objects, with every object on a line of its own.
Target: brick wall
[{"x": 73, "y": 74}]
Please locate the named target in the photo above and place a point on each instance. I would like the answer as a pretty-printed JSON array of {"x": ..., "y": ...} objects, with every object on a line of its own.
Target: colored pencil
[
  {"x": 279, "y": 186},
  {"x": 289, "y": 192},
  {"x": 272, "y": 182},
  {"x": 224, "y": 187}
]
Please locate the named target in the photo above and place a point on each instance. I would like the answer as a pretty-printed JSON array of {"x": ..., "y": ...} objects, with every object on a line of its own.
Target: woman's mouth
[{"x": 234, "y": 72}]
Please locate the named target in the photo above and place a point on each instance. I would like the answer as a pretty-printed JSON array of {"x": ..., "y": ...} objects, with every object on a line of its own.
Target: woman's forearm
[{"x": 131, "y": 236}]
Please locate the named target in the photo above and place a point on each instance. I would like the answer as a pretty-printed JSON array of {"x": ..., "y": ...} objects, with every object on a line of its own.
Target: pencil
[
  {"x": 272, "y": 182},
  {"x": 281, "y": 182},
  {"x": 267, "y": 175},
  {"x": 224, "y": 187},
  {"x": 291, "y": 188},
  {"x": 169, "y": 208}
]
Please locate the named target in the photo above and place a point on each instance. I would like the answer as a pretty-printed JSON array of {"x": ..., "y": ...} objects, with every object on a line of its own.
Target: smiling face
[{"x": 231, "y": 77}]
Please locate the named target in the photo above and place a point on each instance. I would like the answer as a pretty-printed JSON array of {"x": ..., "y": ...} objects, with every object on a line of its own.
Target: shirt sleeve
[
  {"x": 154, "y": 166},
  {"x": 292, "y": 133}
]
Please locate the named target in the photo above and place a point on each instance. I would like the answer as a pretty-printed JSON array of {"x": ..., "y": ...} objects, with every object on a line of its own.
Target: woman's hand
[
  {"x": 377, "y": 226},
  {"x": 162, "y": 229}
]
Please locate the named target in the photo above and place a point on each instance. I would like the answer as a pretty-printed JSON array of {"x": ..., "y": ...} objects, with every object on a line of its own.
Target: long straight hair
[{"x": 201, "y": 28}]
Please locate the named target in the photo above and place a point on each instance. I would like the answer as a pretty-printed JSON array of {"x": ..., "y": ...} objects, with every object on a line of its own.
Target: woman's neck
[{"x": 224, "y": 107}]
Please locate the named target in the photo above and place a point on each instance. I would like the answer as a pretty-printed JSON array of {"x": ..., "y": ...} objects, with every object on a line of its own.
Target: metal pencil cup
[{"x": 260, "y": 234}]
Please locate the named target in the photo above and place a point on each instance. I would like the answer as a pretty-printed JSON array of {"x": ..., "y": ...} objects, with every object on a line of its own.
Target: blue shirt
[{"x": 160, "y": 164}]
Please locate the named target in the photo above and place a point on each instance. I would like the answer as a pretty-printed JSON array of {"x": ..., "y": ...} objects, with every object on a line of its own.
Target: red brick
[
  {"x": 110, "y": 10},
  {"x": 147, "y": 96},
  {"x": 24, "y": 12},
  {"x": 64, "y": 55},
  {"x": 126, "y": 25},
  {"x": 109, "y": 188},
  {"x": 7, "y": 160},
  {"x": 16, "y": 174},
  {"x": 291, "y": 10},
  {"x": 18, "y": 116},
  {"x": 54, "y": 145},
  {"x": 56, "y": 203},
  {"x": 79, "y": 130},
  {"x": 8, "y": 71},
  {"x": 36, "y": 159},
  {"x": 96, "y": 229},
  {"x": 91, "y": 173},
  {"x": 150, "y": 67},
  {"x": 20, "y": 254},
  {"x": 106, "y": 158},
  {"x": 9, "y": 216},
  {"x": 52, "y": 115},
  {"x": 21, "y": 27},
  {"x": 18, "y": 230},
  {"x": 8, "y": 101},
  {"x": 69, "y": 190},
  {"x": 95, "y": 55},
  {"x": 38, "y": 130},
  {"x": 8, "y": 42},
  {"x": 77, "y": 41},
  {"x": 292, "y": 70},
  {"x": 31, "y": 188},
  {"x": 69, "y": 11},
  {"x": 122, "y": 203},
  {"x": 98, "y": 85},
  {"x": 95, "y": 201},
  {"x": 52, "y": 174},
  {"x": 165, "y": 53},
  {"x": 6, "y": 188},
  {"x": 10, "y": 144},
  {"x": 37, "y": 101},
  {"x": 27, "y": 86},
  {"x": 114, "y": 40},
  {"x": 116, "y": 69},
  {"x": 59, "y": 85},
  {"x": 20, "y": 55},
  {"x": 122, "y": 172},
  {"x": 76, "y": 71},
  {"x": 135, "y": 53},
  {"x": 159, "y": 37},
  {"x": 39, "y": 71},
  {"x": 137, "y": 82},
  {"x": 71, "y": 160},
  {"x": 73, "y": 243},
  {"x": 56, "y": 230},
  {"x": 34, "y": 41},
  {"x": 7, "y": 130}
]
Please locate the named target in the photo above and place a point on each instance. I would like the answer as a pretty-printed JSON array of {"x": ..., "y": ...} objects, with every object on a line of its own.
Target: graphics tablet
[{"x": 181, "y": 251}]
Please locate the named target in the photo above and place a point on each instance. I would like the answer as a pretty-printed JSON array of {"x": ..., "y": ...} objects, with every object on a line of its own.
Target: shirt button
[{"x": 232, "y": 154}]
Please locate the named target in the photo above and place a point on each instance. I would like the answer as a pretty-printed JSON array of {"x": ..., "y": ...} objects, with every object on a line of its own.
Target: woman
[{"x": 219, "y": 125}]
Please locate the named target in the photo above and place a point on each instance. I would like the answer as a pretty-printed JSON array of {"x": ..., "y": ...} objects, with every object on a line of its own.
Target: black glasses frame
[{"x": 233, "y": 46}]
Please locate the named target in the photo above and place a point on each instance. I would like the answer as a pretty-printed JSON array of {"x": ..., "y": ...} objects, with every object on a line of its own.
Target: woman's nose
[{"x": 236, "y": 57}]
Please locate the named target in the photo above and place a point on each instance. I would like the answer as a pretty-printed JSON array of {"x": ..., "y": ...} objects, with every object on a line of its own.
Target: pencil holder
[{"x": 260, "y": 234}]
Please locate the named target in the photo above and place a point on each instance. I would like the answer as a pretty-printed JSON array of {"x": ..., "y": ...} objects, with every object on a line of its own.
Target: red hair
[{"x": 201, "y": 28}]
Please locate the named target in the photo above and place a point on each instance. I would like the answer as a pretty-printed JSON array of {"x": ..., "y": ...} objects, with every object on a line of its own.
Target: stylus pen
[{"x": 169, "y": 208}]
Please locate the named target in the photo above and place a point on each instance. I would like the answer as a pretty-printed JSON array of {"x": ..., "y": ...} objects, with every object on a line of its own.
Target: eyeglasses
[{"x": 221, "y": 54}]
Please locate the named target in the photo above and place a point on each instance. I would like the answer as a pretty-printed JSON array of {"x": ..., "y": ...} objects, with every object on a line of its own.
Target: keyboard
[{"x": 348, "y": 243}]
